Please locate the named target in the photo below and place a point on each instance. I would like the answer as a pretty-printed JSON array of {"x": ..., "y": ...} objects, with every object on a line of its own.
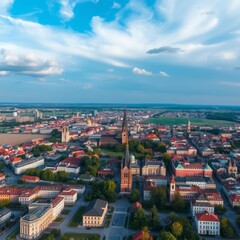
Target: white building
[
  {"x": 70, "y": 196},
  {"x": 200, "y": 207},
  {"x": 207, "y": 224},
  {"x": 5, "y": 214},
  {"x": 31, "y": 163}
]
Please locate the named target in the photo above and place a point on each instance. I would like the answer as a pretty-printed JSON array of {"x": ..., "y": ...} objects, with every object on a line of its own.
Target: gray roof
[
  {"x": 36, "y": 213},
  {"x": 96, "y": 208},
  {"x": 4, "y": 211}
]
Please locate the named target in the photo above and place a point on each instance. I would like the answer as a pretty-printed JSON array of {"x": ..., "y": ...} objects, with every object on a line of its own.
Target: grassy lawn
[
  {"x": 80, "y": 236},
  {"x": 65, "y": 211},
  {"x": 13, "y": 235},
  {"x": 77, "y": 217},
  {"x": 195, "y": 121},
  {"x": 58, "y": 219}
]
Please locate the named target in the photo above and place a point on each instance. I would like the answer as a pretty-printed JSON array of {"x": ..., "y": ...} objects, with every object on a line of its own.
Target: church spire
[
  {"x": 127, "y": 161},
  {"x": 124, "y": 124},
  {"x": 124, "y": 128}
]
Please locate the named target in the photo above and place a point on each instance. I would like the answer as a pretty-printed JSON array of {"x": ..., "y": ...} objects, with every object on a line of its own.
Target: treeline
[
  {"x": 138, "y": 146},
  {"x": 55, "y": 136},
  {"x": 47, "y": 175},
  {"x": 105, "y": 190},
  {"x": 226, "y": 116},
  {"x": 37, "y": 150},
  {"x": 90, "y": 165}
]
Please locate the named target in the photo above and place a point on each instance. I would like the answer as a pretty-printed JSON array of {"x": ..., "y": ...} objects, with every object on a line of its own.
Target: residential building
[
  {"x": 207, "y": 223},
  {"x": 153, "y": 167},
  {"x": 95, "y": 213},
  {"x": 39, "y": 217},
  {"x": 26, "y": 164}
]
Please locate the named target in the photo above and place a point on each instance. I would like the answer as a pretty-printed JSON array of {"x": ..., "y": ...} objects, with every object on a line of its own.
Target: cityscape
[
  {"x": 119, "y": 172},
  {"x": 119, "y": 120}
]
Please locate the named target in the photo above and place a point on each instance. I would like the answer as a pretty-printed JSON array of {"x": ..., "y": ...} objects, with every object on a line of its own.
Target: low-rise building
[
  {"x": 39, "y": 217},
  {"x": 31, "y": 163},
  {"x": 200, "y": 207},
  {"x": 30, "y": 179},
  {"x": 95, "y": 213},
  {"x": 207, "y": 223},
  {"x": 153, "y": 167},
  {"x": 70, "y": 196},
  {"x": 5, "y": 214}
]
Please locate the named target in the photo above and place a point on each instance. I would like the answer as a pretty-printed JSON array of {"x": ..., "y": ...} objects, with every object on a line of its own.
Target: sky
[{"x": 120, "y": 51}]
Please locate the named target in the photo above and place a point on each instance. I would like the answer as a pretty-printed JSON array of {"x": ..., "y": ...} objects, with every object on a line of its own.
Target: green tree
[
  {"x": 178, "y": 204},
  {"x": 226, "y": 228},
  {"x": 146, "y": 233},
  {"x": 238, "y": 221},
  {"x": 119, "y": 147},
  {"x": 154, "y": 217},
  {"x": 160, "y": 146},
  {"x": 158, "y": 197},
  {"x": 4, "y": 203},
  {"x": 135, "y": 196},
  {"x": 140, "y": 148},
  {"x": 166, "y": 236},
  {"x": 36, "y": 152},
  {"x": 177, "y": 229},
  {"x": 56, "y": 233},
  {"x": 166, "y": 157},
  {"x": 61, "y": 176},
  {"x": 139, "y": 219},
  {"x": 110, "y": 185}
]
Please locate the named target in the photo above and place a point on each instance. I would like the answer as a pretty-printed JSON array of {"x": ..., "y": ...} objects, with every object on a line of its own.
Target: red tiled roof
[
  {"x": 206, "y": 216},
  {"x": 29, "y": 178}
]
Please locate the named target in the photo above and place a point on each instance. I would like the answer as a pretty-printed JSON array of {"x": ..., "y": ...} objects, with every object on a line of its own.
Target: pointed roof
[
  {"x": 124, "y": 124},
  {"x": 127, "y": 161}
]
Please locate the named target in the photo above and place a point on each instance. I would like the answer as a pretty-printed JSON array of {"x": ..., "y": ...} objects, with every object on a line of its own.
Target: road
[
  {"x": 9, "y": 231},
  {"x": 230, "y": 214},
  {"x": 116, "y": 230}
]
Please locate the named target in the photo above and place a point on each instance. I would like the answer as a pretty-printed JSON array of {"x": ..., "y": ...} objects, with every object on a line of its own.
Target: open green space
[
  {"x": 77, "y": 217},
  {"x": 80, "y": 236},
  {"x": 13, "y": 235},
  {"x": 195, "y": 121}
]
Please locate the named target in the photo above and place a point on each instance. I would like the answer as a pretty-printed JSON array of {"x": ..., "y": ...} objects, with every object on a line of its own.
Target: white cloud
[
  {"x": 164, "y": 74},
  {"x": 198, "y": 35},
  {"x": 228, "y": 55},
  {"x": 28, "y": 64},
  {"x": 141, "y": 71},
  {"x": 5, "y": 5},
  {"x": 3, "y": 73},
  {"x": 67, "y": 7},
  {"x": 116, "y": 5}
]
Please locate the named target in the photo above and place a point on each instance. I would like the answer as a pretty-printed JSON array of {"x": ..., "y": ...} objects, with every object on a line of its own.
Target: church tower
[
  {"x": 172, "y": 188},
  {"x": 126, "y": 173},
  {"x": 65, "y": 135},
  {"x": 189, "y": 128},
  {"x": 124, "y": 128}
]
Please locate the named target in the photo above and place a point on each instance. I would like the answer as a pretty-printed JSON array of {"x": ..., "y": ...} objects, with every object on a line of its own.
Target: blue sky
[{"x": 123, "y": 51}]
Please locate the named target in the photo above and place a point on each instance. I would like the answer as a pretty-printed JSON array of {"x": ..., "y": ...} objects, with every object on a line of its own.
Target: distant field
[
  {"x": 15, "y": 139},
  {"x": 195, "y": 121}
]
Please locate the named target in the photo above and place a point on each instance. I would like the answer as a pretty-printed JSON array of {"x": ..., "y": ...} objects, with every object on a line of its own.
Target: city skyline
[{"x": 125, "y": 51}]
